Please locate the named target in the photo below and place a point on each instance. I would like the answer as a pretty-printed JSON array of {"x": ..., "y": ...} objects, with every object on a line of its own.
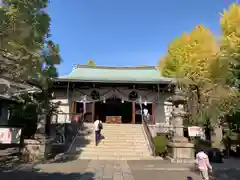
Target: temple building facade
[{"x": 112, "y": 94}]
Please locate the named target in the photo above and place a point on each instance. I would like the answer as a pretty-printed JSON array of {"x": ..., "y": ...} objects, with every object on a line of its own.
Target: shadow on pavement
[
  {"x": 221, "y": 174},
  {"x": 231, "y": 174},
  {"x": 9, "y": 162},
  {"x": 36, "y": 174}
]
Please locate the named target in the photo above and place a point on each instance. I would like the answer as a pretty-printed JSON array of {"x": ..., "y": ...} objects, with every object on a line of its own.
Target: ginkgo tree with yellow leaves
[
  {"x": 193, "y": 59},
  {"x": 230, "y": 42},
  {"x": 230, "y": 53}
]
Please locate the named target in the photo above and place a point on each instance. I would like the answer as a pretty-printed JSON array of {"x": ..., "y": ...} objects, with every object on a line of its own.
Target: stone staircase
[{"x": 121, "y": 142}]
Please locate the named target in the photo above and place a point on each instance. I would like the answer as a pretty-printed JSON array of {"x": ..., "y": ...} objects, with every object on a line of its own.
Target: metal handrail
[{"x": 149, "y": 137}]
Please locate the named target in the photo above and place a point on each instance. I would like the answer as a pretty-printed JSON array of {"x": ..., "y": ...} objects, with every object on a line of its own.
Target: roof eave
[
  {"x": 8, "y": 98},
  {"x": 160, "y": 81}
]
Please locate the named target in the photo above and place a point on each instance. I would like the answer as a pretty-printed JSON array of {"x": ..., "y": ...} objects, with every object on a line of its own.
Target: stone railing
[
  {"x": 160, "y": 128},
  {"x": 149, "y": 137}
]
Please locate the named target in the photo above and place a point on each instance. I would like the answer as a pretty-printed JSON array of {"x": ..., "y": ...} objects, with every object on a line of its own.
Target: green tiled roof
[{"x": 84, "y": 73}]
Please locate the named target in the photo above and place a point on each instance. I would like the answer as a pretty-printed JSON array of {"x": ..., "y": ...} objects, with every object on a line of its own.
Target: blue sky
[{"x": 125, "y": 32}]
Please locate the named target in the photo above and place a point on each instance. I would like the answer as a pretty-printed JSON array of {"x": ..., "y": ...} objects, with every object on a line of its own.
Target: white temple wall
[
  {"x": 84, "y": 95},
  {"x": 64, "y": 107}
]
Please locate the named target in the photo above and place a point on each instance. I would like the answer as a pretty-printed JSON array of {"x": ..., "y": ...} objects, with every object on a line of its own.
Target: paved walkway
[{"x": 113, "y": 170}]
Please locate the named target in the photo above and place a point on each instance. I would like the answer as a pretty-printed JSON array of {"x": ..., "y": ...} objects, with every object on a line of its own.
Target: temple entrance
[{"x": 114, "y": 108}]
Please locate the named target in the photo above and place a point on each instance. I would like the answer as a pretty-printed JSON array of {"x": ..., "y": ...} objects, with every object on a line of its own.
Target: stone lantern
[{"x": 180, "y": 150}]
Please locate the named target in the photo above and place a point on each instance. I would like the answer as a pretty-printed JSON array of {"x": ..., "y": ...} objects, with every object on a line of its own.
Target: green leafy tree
[
  {"x": 24, "y": 28},
  {"x": 28, "y": 55},
  {"x": 91, "y": 63}
]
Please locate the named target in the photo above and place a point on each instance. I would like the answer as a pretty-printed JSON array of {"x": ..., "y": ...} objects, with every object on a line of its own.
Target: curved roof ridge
[
  {"x": 121, "y": 74},
  {"x": 114, "y": 67}
]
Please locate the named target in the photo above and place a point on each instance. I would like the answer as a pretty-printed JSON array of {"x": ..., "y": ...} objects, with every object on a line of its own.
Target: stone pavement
[{"x": 113, "y": 170}]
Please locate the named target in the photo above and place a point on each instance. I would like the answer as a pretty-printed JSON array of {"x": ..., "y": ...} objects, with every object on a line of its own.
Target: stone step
[
  {"x": 124, "y": 141},
  {"x": 141, "y": 135},
  {"x": 118, "y": 157},
  {"x": 110, "y": 145},
  {"x": 104, "y": 153},
  {"x": 123, "y": 132},
  {"x": 120, "y": 153},
  {"x": 112, "y": 142},
  {"x": 121, "y": 142},
  {"x": 122, "y": 128},
  {"x": 99, "y": 148},
  {"x": 116, "y": 130},
  {"x": 114, "y": 139},
  {"x": 122, "y": 125},
  {"x": 127, "y": 127},
  {"x": 115, "y": 143},
  {"x": 110, "y": 153},
  {"x": 114, "y": 135}
]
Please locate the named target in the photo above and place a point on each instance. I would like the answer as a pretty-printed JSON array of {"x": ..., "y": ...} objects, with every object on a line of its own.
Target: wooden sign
[
  {"x": 194, "y": 131},
  {"x": 10, "y": 135}
]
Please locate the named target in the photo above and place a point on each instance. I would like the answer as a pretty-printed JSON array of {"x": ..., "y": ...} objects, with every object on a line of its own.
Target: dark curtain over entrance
[{"x": 114, "y": 107}]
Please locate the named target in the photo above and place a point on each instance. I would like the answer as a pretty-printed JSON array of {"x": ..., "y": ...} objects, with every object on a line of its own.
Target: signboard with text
[
  {"x": 194, "y": 131},
  {"x": 10, "y": 135}
]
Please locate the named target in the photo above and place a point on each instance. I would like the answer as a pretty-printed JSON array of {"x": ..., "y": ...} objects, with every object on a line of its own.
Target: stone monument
[{"x": 180, "y": 150}]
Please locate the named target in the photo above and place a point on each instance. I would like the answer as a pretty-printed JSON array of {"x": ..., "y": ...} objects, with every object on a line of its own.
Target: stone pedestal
[
  {"x": 36, "y": 149},
  {"x": 179, "y": 149},
  {"x": 181, "y": 152}
]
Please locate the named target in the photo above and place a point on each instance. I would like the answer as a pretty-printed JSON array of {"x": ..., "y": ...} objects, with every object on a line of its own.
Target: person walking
[
  {"x": 97, "y": 128},
  {"x": 146, "y": 115},
  {"x": 203, "y": 164}
]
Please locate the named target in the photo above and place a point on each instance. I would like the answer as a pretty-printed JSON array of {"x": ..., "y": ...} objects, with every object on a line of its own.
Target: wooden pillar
[
  {"x": 73, "y": 107},
  {"x": 153, "y": 113},
  {"x": 133, "y": 112},
  {"x": 71, "y": 115},
  {"x": 93, "y": 111}
]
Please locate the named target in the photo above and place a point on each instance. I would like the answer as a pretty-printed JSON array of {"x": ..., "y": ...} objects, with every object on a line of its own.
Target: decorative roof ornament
[
  {"x": 133, "y": 95},
  {"x": 95, "y": 95}
]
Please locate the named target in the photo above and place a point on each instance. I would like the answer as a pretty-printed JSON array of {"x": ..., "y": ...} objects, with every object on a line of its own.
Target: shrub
[{"x": 161, "y": 145}]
